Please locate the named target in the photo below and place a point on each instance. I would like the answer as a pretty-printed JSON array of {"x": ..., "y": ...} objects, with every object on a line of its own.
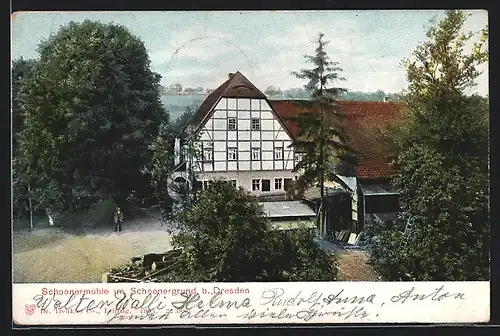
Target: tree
[
  {"x": 179, "y": 125},
  {"x": 20, "y": 68},
  {"x": 90, "y": 107},
  {"x": 442, "y": 165},
  {"x": 321, "y": 135},
  {"x": 225, "y": 237},
  {"x": 273, "y": 91},
  {"x": 174, "y": 88}
]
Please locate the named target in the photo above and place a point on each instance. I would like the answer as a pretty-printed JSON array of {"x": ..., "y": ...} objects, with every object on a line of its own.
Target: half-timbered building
[{"x": 240, "y": 138}]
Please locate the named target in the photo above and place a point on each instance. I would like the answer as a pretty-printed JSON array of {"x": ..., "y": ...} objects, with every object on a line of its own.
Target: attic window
[
  {"x": 231, "y": 124},
  {"x": 255, "y": 124}
]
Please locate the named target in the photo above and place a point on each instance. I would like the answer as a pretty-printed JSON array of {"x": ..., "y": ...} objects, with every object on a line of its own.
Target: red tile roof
[{"x": 365, "y": 123}]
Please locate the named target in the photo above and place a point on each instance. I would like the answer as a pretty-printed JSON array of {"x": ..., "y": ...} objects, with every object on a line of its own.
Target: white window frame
[
  {"x": 208, "y": 147},
  {"x": 232, "y": 153},
  {"x": 256, "y": 183},
  {"x": 258, "y": 126},
  {"x": 278, "y": 150},
  {"x": 255, "y": 150},
  {"x": 235, "y": 124},
  {"x": 278, "y": 184}
]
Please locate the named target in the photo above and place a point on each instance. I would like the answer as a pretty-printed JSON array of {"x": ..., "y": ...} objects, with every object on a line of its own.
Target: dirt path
[{"x": 51, "y": 255}]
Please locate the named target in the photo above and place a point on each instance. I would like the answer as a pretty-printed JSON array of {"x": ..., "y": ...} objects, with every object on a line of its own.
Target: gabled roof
[
  {"x": 236, "y": 86},
  {"x": 364, "y": 123}
]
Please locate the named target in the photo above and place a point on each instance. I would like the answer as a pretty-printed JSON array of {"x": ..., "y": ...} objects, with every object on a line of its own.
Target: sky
[{"x": 200, "y": 48}]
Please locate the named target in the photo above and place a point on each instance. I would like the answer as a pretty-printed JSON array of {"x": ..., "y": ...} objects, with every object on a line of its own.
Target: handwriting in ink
[
  {"x": 306, "y": 314},
  {"x": 436, "y": 295},
  {"x": 191, "y": 301},
  {"x": 79, "y": 302},
  {"x": 276, "y": 297},
  {"x": 338, "y": 299}
]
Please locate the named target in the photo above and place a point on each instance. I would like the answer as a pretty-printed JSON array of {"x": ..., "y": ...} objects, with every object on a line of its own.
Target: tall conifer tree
[{"x": 322, "y": 138}]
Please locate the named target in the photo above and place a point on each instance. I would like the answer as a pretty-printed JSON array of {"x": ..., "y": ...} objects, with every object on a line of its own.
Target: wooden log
[
  {"x": 150, "y": 258},
  {"x": 117, "y": 277},
  {"x": 168, "y": 268},
  {"x": 171, "y": 255},
  {"x": 157, "y": 265}
]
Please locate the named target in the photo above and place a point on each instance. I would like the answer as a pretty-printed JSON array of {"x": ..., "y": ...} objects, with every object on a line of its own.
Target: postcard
[{"x": 250, "y": 167}]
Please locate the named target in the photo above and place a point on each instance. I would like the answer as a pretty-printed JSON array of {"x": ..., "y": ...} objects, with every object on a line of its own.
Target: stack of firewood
[{"x": 146, "y": 268}]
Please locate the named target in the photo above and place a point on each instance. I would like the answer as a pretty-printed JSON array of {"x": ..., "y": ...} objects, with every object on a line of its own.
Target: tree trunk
[
  {"x": 30, "y": 208},
  {"x": 321, "y": 164}
]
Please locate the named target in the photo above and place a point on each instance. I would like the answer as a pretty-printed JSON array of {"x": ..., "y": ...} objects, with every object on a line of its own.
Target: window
[
  {"x": 296, "y": 158},
  {"x": 231, "y": 124},
  {"x": 255, "y": 124},
  {"x": 255, "y": 153},
  {"x": 278, "y": 153},
  {"x": 231, "y": 154},
  {"x": 233, "y": 182},
  {"x": 206, "y": 184},
  {"x": 266, "y": 185},
  {"x": 278, "y": 184},
  {"x": 208, "y": 151},
  {"x": 255, "y": 185}
]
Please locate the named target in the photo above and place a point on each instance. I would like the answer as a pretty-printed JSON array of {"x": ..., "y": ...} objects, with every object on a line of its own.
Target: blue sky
[{"x": 201, "y": 48}]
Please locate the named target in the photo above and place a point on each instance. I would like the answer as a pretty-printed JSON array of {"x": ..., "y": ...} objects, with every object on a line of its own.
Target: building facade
[
  {"x": 243, "y": 137},
  {"x": 240, "y": 138}
]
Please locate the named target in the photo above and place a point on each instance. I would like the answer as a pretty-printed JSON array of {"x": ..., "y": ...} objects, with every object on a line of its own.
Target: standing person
[{"x": 118, "y": 219}]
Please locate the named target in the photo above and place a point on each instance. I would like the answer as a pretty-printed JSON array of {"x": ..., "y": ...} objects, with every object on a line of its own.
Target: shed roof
[
  {"x": 287, "y": 209},
  {"x": 380, "y": 188}
]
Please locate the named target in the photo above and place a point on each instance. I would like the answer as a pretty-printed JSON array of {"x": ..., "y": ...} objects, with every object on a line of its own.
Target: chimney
[{"x": 230, "y": 75}]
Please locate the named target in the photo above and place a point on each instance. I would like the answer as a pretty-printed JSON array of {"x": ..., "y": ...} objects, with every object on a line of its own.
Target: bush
[{"x": 226, "y": 237}]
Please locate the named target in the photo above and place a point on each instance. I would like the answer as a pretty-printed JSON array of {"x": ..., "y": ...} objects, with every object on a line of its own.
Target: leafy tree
[
  {"x": 321, "y": 135},
  {"x": 90, "y": 107},
  {"x": 442, "y": 166},
  {"x": 273, "y": 91},
  {"x": 174, "y": 88},
  {"x": 20, "y": 68},
  {"x": 179, "y": 125},
  {"x": 225, "y": 237}
]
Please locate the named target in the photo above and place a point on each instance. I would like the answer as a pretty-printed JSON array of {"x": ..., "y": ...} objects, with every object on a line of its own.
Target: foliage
[
  {"x": 180, "y": 124},
  {"x": 160, "y": 168},
  {"x": 91, "y": 107},
  {"x": 225, "y": 237},
  {"x": 442, "y": 166},
  {"x": 321, "y": 135},
  {"x": 20, "y": 67}
]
